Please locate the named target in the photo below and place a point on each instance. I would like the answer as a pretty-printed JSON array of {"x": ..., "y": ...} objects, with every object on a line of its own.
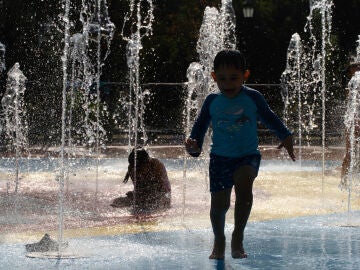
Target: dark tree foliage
[
  {"x": 33, "y": 40},
  {"x": 32, "y": 33},
  {"x": 265, "y": 37}
]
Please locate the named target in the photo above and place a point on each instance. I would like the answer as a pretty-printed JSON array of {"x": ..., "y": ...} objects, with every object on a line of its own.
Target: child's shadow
[{"x": 222, "y": 265}]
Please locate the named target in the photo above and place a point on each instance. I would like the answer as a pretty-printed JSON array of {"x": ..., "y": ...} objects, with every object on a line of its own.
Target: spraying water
[
  {"x": 82, "y": 55},
  {"x": 291, "y": 80},
  {"x": 97, "y": 28},
  {"x": 217, "y": 32},
  {"x": 352, "y": 117},
  {"x": 15, "y": 116},
  {"x": 351, "y": 122},
  {"x": 320, "y": 14},
  {"x": 66, "y": 21},
  {"x": 2, "y": 58},
  {"x": 137, "y": 25},
  {"x": 304, "y": 78}
]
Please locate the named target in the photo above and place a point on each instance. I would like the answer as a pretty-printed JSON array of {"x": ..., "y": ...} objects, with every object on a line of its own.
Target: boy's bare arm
[{"x": 288, "y": 144}]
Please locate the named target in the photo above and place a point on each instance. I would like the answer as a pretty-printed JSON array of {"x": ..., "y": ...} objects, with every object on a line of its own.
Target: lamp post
[{"x": 248, "y": 8}]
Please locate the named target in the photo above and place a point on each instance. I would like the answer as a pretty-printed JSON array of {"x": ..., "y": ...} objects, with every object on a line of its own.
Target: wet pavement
[
  {"x": 313, "y": 242},
  {"x": 292, "y": 224}
]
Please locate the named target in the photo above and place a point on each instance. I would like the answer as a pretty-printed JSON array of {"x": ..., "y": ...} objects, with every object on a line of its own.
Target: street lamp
[{"x": 248, "y": 9}]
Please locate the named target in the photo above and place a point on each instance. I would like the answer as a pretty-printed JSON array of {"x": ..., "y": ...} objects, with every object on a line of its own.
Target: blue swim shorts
[{"x": 221, "y": 169}]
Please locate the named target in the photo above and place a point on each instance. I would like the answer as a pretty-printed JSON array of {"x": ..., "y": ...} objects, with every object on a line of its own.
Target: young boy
[{"x": 234, "y": 156}]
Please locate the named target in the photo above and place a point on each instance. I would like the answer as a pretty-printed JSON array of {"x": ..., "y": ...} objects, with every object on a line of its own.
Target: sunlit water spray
[
  {"x": 83, "y": 53},
  {"x": 217, "y": 32},
  {"x": 291, "y": 80},
  {"x": 61, "y": 178},
  {"x": 305, "y": 78},
  {"x": 352, "y": 117},
  {"x": 137, "y": 25},
  {"x": 98, "y": 30},
  {"x": 16, "y": 127},
  {"x": 320, "y": 14},
  {"x": 197, "y": 71},
  {"x": 2, "y": 57},
  {"x": 84, "y": 110}
]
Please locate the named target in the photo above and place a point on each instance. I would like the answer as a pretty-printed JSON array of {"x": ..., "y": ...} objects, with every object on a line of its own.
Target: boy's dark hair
[
  {"x": 141, "y": 157},
  {"x": 229, "y": 57}
]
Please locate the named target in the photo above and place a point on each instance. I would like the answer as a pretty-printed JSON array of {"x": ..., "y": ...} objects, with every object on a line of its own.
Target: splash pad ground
[{"x": 299, "y": 218}]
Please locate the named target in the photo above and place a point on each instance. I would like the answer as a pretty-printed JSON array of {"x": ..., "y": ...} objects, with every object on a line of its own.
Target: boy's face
[{"x": 229, "y": 80}]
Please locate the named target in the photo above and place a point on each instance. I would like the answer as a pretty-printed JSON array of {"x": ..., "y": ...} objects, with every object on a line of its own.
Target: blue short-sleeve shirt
[{"x": 234, "y": 123}]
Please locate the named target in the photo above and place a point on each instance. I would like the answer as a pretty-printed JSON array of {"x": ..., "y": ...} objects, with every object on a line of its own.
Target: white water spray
[
  {"x": 352, "y": 118},
  {"x": 318, "y": 56},
  {"x": 291, "y": 80},
  {"x": 305, "y": 75},
  {"x": 137, "y": 25},
  {"x": 97, "y": 28},
  {"x": 2, "y": 58},
  {"x": 16, "y": 127},
  {"x": 83, "y": 56},
  {"x": 61, "y": 177},
  {"x": 217, "y": 32}
]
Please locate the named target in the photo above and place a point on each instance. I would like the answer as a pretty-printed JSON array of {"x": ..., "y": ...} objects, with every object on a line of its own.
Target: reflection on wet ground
[
  {"x": 318, "y": 242},
  {"x": 293, "y": 224}
]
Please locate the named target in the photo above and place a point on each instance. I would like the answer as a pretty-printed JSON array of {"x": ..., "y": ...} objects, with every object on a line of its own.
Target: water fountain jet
[
  {"x": 2, "y": 58},
  {"x": 15, "y": 116},
  {"x": 308, "y": 76},
  {"x": 128, "y": 242},
  {"x": 217, "y": 32},
  {"x": 351, "y": 181}
]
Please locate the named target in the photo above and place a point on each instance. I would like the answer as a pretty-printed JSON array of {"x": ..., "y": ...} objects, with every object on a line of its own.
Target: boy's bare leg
[
  {"x": 220, "y": 203},
  {"x": 243, "y": 180}
]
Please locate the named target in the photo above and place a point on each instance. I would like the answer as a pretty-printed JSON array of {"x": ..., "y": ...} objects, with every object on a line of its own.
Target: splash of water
[
  {"x": 217, "y": 32},
  {"x": 137, "y": 25},
  {"x": 195, "y": 75},
  {"x": 357, "y": 58},
  {"x": 82, "y": 62},
  {"x": 351, "y": 183},
  {"x": 61, "y": 177},
  {"x": 310, "y": 73},
  {"x": 2, "y": 58},
  {"x": 291, "y": 80},
  {"x": 320, "y": 14},
  {"x": 16, "y": 127},
  {"x": 97, "y": 28}
]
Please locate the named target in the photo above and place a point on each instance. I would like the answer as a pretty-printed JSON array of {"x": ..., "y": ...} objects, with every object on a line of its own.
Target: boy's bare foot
[
  {"x": 239, "y": 254},
  {"x": 218, "y": 249},
  {"x": 237, "y": 249}
]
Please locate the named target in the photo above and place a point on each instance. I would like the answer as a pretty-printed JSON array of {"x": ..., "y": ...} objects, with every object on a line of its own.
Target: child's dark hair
[
  {"x": 141, "y": 157},
  {"x": 233, "y": 58}
]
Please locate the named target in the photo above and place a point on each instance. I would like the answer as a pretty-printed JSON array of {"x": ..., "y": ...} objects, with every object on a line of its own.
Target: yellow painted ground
[{"x": 277, "y": 195}]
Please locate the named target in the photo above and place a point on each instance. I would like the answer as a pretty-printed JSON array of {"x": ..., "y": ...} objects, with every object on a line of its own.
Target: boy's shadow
[{"x": 222, "y": 265}]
